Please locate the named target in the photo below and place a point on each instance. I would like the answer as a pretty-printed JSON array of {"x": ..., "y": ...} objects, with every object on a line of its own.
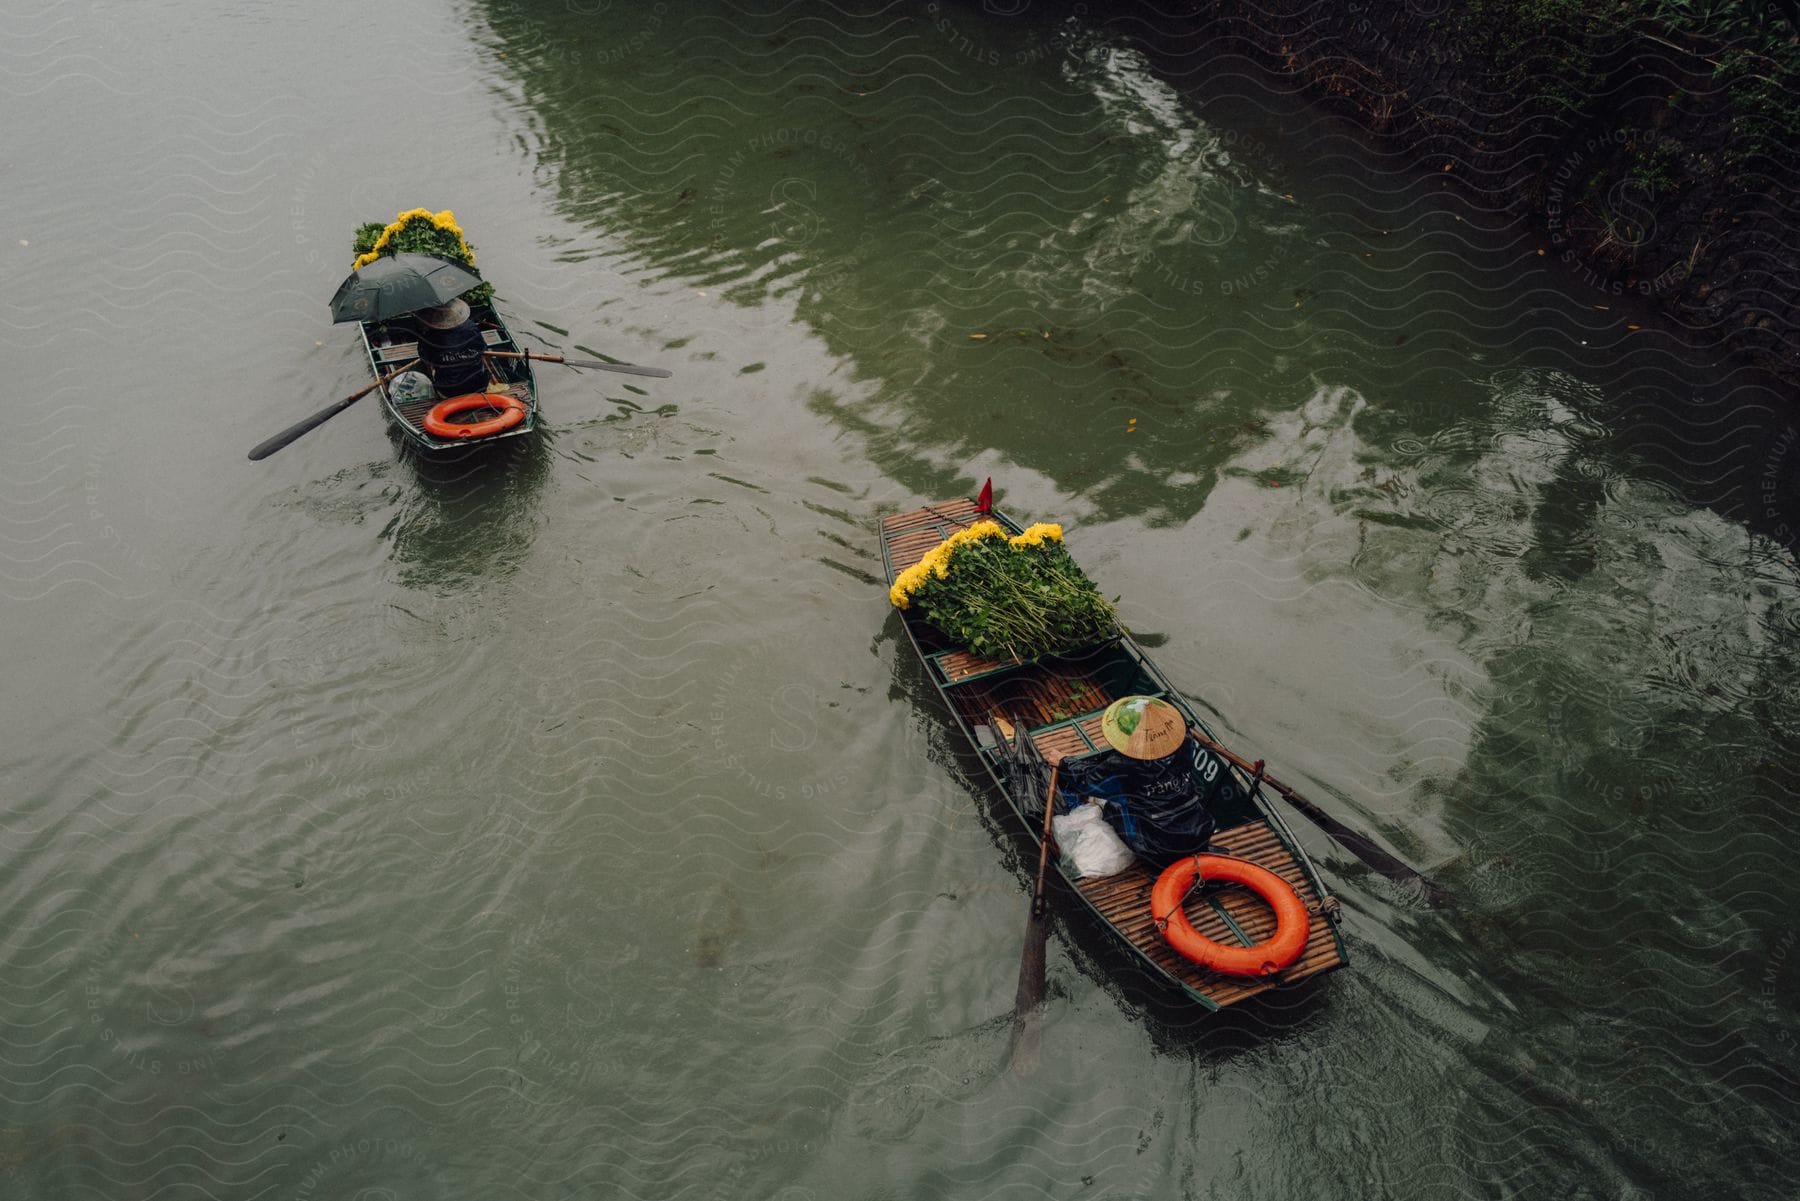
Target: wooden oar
[
  {"x": 263, "y": 450},
  {"x": 596, "y": 364},
  {"x": 1030, "y": 992},
  {"x": 1357, "y": 844},
  {"x": 1037, "y": 930}
]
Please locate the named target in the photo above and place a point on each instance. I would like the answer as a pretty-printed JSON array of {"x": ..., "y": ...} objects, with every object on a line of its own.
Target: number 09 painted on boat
[{"x": 1280, "y": 950}]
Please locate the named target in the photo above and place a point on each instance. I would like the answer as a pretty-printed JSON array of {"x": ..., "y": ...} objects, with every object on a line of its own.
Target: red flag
[{"x": 985, "y": 502}]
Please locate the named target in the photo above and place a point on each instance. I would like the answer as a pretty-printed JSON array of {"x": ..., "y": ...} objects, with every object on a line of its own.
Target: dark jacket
[
  {"x": 452, "y": 357},
  {"x": 1162, "y": 808}
]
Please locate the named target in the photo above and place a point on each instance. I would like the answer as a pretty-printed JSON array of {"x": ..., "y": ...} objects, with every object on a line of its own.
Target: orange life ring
[
  {"x": 512, "y": 411},
  {"x": 1280, "y": 950}
]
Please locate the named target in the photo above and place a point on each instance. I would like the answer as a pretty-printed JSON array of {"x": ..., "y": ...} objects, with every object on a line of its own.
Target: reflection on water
[
  {"x": 470, "y": 519},
  {"x": 1089, "y": 239}
]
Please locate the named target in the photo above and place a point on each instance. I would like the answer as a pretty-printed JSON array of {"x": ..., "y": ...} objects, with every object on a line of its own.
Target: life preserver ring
[
  {"x": 512, "y": 411},
  {"x": 1280, "y": 950}
]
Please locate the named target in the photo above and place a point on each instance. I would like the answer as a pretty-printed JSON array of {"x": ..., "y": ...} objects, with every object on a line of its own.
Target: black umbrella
[{"x": 396, "y": 284}]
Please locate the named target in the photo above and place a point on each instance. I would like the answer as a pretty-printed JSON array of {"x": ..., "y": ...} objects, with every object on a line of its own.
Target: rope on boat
[{"x": 1162, "y": 923}]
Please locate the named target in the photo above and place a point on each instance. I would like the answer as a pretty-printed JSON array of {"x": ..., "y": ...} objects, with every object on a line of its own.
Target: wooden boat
[
  {"x": 390, "y": 344},
  {"x": 1058, "y": 702}
]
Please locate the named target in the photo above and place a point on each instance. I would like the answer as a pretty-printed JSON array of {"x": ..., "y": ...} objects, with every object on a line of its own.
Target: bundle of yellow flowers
[
  {"x": 418, "y": 231},
  {"x": 1018, "y": 597}
]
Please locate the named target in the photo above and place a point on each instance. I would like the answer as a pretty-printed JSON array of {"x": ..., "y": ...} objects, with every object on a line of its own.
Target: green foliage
[
  {"x": 1727, "y": 21},
  {"x": 1003, "y": 601},
  {"x": 1757, "y": 47},
  {"x": 1541, "y": 51},
  {"x": 1656, "y": 166},
  {"x": 1765, "y": 117},
  {"x": 1545, "y": 55},
  {"x": 366, "y": 235},
  {"x": 422, "y": 237}
]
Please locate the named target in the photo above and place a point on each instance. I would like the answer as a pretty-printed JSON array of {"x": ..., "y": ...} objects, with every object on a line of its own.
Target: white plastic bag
[
  {"x": 410, "y": 385},
  {"x": 1089, "y": 843}
]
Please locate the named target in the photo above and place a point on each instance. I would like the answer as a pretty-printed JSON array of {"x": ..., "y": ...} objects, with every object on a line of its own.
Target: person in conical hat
[
  {"x": 451, "y": 349},
  {"x": 1143, "y": 727},
  {"x": 448, "y": 315},
  {"x": 1158, "y": 787}
]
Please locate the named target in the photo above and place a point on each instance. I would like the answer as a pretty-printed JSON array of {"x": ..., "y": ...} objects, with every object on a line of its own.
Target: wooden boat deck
[
  {"x": 1059, "y": 701},
  {"x": 1229, "y": 914},
  {"x": 510, "y": 376},
  {"x": 413, "y": 411}
]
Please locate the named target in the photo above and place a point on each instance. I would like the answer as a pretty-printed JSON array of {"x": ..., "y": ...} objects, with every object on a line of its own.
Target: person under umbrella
[
  {"x": 451, "y": 349},
  {"x": 398, "y": 284}
]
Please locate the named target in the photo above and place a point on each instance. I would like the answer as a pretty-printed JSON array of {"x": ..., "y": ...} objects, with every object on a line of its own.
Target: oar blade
[
  {"x": 621, "y": 368},
  {"x": 1028, "y": 1002},
  {"x": 1032, "y": 968},
  {"x": 264, "y": 449},
  {"x": 1354, "y": 841}
]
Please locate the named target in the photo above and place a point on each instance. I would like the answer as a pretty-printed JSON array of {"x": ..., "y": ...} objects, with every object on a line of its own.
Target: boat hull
[
  {"x": 390, "y": 344},
  {"x": 1058, "y": 702}
]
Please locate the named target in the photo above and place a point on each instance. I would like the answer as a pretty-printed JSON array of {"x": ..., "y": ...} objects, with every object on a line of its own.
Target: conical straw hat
[
  {"x": 1143, "y": 727},
  {"x": 445, "y": 316}
]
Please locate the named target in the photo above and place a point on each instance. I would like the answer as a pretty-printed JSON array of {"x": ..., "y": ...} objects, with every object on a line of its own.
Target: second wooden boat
[{"x": 1059, "y": 702}]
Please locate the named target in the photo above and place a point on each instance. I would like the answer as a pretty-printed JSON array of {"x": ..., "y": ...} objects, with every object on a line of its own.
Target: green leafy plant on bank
[
  {"x": 1755, "y": 45},
  {"x": 1765, "y": 114},
  {"x": 1656, "y": 167},
  {"x": 1728, "y": 21},
  {"x": 1545, "y": 55},
  {"x": 1540, "y": 50}
]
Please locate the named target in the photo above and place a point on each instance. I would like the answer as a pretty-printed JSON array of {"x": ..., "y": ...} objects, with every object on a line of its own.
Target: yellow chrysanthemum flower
[
  {"x": 445, "y": 221},
  {"x": 1003, "y": 605},
  {"x": 936, "y": 561},
  {"x": 1038, "y": 534},
  {"x": 981, "y": 529}
]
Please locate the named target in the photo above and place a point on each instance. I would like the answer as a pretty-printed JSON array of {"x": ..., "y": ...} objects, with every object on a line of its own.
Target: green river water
[{"x": 575, "y": 824}]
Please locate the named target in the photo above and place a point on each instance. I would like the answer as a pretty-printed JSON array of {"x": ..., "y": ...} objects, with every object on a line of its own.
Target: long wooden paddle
[
  {"x": 1357, "y": 844},
  {"x": 1037, "y": 930},
  {"x": 595, "y": 364},
  {"x": 1029, "y": 998},
  {"x": 263, "y": 450}
]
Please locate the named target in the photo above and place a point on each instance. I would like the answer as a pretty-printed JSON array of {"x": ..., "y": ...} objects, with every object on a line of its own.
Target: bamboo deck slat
[
  {"x": 1124, "y": 901},
  {"x": 959, "y": 666},
  {"x": 413, "y": 411},
  {"x": 1035, "y": 696}
]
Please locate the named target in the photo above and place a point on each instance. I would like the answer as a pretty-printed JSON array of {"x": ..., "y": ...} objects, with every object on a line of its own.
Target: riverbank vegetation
[
  {"x": 1652, "y": 142},
  {"x": 1753, "y": 47}
]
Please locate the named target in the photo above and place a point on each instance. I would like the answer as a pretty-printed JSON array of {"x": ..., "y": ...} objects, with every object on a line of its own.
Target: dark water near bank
[{"x": 574, "y": 825}]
